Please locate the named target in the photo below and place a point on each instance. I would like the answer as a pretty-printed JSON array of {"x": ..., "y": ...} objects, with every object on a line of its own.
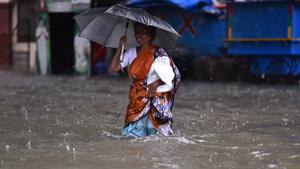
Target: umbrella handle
[{"x": 121, "y": 54}]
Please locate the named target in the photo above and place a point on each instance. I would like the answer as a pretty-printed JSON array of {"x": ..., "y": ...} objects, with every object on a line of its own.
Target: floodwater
[{"x": 64, "y": 122}]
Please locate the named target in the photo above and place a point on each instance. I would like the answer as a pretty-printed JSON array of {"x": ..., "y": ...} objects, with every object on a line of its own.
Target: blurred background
[
  {"x": 233, "y": 40},
  {"x": 54, "y": 116}
]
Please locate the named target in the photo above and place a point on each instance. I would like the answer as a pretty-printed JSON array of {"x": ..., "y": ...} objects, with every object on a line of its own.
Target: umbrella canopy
[{"x": 107, "y": 26}]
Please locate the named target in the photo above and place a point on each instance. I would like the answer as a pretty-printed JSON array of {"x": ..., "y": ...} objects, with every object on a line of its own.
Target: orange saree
[
  {"x": 147, "y": 116},
  {"x": 138, "y": 98}
]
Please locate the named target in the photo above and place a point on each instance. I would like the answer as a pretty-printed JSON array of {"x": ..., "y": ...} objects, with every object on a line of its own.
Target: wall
[
  {"x": 4, "y": 1},
  {"x": 22, "y": 46},
  {"x": 5, "y": 45}
]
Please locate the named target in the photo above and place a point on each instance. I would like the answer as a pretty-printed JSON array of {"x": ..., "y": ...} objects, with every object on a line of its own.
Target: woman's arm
[
  {"x": 152, "y": 88},
  {"x": 115, "y": 65}
]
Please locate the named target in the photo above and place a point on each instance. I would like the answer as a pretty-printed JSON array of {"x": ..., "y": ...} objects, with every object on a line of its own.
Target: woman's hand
[
  {"x": 153, "y": 87},
  {"x": 122, "y": 41}
]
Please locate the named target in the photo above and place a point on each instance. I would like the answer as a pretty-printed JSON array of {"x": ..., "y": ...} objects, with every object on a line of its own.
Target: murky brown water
[{"x": 74, "y": 123}]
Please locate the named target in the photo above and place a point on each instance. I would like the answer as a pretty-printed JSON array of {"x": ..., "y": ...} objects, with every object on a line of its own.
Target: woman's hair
[{"x": 147, "y": 30}]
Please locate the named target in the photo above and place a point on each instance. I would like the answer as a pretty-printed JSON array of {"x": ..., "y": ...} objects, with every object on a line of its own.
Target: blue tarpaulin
[
  {"x": 201, "y": 34},
  {"x": 184, "y": 4},
  {"x": 255, "y": 1}
]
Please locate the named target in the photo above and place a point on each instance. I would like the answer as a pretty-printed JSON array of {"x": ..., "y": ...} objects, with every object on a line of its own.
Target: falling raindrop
[
  {"x": 74, "y": 154},
  {"x": 7, "y": 147},
  {"x": 118, "y": 114},
  {"x": 72, "y": 107},
  {"x": 29, "y": 145},
  {"x": 210, "y": 158},
  {"x": 68, "y": 147},
  {"x": 272, "y": 166},
  {"x": 217, "y": 123},
  {"x": 26, "y": 115}
]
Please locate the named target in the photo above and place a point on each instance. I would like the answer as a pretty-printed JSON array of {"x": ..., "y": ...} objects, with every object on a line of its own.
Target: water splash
[
  {"x": 210, "y": 158},
  {"x": 233, "y": 148},
  {"x": 164, "y": 139},
  {"x": 294, "y": 156},
  {"x": 25, "y": 111},
  {"x": 287, "y": 122},
  {"x": 5, "y": 114},
  {"x": 201, "y": 140},
  {"x": 7, "y": 147},
  {"x": 68, "y": 147},
  {"x": 260, "y": 154},
  {"x": 28, "y": 145},
  {"x": 74, "y": 154},
  {"x": 29, "y": 130},
  {"x": 109, "y": 134},
  {"x": 147, "y": 139},
  {"x": 272, "y": 166},
  {"x": 182, "y": 140},
  {"x": 165, "y": 165}
]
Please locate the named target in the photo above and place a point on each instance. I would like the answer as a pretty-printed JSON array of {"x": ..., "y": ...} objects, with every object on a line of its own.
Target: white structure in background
[
  {"x": 42, "y": 35},
  {"x": 80, "y": 4},
  {"x": 82, "y": 52},
  {"x": 81, "y": 1},
  {"x": 68, "y": 5},
  {"x": 60, "y": 6}
]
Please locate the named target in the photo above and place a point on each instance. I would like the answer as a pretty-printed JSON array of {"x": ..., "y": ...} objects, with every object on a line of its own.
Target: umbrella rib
[
  {"x": 112, "y": 31},
  {"x": 91, "y": 19},
  {"x": 88, "y": 23}
]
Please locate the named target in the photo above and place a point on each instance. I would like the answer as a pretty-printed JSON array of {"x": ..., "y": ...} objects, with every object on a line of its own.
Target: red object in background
[
  {"x": 5, "y": 36},
  {"x": 98, "y": 55}
]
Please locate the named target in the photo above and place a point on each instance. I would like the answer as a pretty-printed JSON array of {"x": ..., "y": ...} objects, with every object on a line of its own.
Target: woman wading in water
[{"x": 154, "y": 78}]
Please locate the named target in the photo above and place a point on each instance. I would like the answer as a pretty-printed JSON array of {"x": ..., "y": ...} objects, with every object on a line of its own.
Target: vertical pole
[
  {"x": 89, "y": 65},
  {"x": 290, "y": 20},
  {"x": 28, "y": 44},
  {"x": 229, "y": 21},
  {"x": 11, "y": 34}
]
